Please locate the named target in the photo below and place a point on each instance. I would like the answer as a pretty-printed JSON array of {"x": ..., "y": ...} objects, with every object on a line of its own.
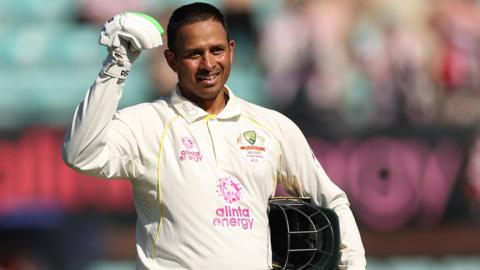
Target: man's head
[
  {"x": 189, "y": 14},
  {"x": 201, "y": 53}
]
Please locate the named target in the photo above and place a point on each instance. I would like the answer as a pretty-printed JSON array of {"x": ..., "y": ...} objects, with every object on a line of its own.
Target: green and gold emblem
[{"x": 250, "y": 136}]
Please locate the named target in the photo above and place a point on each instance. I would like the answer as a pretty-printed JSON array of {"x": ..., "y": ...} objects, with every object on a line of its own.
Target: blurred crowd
[{"x": 376, "y": 63}]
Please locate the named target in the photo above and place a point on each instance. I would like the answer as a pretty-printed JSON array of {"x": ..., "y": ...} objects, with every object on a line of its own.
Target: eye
[
  {"x": 218, "y": 50},
  {"x": 193, "y": 55}
]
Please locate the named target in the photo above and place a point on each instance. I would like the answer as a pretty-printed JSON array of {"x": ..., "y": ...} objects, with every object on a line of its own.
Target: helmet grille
[{"x": 303, "y": 236}]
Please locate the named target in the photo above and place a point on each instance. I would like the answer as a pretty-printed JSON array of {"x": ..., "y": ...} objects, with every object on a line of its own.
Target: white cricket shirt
[{"x": 202, "y": 182}]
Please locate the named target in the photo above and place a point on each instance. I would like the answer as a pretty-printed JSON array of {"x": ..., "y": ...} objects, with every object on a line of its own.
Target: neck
[{"x": 212, "y": 106}]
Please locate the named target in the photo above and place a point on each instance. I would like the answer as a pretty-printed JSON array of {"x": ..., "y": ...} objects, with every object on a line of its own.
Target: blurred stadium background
[{"x": 386, "y": 91}]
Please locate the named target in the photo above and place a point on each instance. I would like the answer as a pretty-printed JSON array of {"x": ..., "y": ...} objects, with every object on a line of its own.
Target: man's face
[{"x": 202, "y": 59}]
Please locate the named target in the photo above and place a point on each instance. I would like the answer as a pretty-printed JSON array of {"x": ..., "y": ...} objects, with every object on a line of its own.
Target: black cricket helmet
[{"x": 303, "y": 236}]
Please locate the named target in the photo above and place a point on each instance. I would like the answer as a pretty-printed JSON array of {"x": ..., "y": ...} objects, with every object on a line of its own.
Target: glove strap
[{"x": 116, "y": 65}]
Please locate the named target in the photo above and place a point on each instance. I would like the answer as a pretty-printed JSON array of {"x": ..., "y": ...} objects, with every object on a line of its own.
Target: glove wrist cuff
[
  {"x": 116, "y": 66},
  {"x": 115, "y": 71}
]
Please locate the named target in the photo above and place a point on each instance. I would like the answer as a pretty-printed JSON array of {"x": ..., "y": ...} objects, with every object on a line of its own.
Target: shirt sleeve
[
  {"x": 302, "y": 175},
  {"x": 98, "y": 142}
]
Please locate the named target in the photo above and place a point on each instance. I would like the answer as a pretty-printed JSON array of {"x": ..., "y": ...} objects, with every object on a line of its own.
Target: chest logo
[
  {"x": 231, "y": 215},
  {"x": 250, "y": 136},
  {"x": 229, "y": 189},
  {"x": 252, "y": 145},
  {"x": 189, "y": 150}
]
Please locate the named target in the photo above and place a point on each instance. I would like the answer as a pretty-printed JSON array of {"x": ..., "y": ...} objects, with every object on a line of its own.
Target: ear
[
  {"x": 170, "y": 57},
  {"x": 231, "y": 44}
]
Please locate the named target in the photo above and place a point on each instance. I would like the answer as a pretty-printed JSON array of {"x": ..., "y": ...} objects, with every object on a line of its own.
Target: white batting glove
[{"x": 125, "y": 36}]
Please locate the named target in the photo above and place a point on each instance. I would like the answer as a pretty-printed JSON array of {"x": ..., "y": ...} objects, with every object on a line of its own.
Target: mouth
[{"x": 207, "y": 79}]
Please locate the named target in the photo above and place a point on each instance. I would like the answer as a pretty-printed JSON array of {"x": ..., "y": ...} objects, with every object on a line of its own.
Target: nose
[{"x": 208, "y": 61}]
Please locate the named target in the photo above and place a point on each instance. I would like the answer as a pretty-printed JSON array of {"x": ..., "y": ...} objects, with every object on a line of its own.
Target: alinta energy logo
[
  {"x": 231, "y": 215},
  {"x": 190, "y": 150}
]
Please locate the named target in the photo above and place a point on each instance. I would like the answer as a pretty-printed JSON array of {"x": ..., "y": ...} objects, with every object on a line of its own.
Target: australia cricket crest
[{"x": 252, "y": 145}]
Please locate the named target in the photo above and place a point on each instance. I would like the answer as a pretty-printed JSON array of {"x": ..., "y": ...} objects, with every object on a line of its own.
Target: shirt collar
[{"x": 191, "y": 112}]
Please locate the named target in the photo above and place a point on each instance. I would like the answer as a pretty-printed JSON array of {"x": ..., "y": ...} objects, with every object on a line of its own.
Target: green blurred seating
[
  {"x": 50, "y": 46},
  {"x": 21, "y": 12},
  {"x": 38, "y": 95}
]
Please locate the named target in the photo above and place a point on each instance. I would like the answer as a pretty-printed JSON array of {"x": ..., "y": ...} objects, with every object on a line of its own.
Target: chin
[
  {"x": 212, "y": 89},
  {"x": 203, "y": 91}
]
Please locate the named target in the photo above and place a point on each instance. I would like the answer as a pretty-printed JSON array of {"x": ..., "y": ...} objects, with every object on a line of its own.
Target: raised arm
[{"x": 99, "y": 142}]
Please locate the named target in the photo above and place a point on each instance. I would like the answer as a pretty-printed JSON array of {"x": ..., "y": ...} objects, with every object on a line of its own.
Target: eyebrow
[{"x": 201, "y": 49}]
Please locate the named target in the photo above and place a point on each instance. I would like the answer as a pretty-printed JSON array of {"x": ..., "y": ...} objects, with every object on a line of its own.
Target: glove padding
[{"x": 126, "y": 35}]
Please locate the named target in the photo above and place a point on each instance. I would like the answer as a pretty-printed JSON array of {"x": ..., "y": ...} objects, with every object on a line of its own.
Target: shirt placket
[{"x": 216, "y": 137}]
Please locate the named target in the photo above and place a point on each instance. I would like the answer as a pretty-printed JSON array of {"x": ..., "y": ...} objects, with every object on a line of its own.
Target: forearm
[
  {"x": 96, "y": 143},
  {"x": 85, "y": 138},
  {"x": 352, "y": 253},
  {"x": 327, "y": 194}
]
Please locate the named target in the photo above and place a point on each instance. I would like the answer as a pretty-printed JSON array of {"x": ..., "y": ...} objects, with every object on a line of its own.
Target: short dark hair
[{"x": 192, "y": 13}]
